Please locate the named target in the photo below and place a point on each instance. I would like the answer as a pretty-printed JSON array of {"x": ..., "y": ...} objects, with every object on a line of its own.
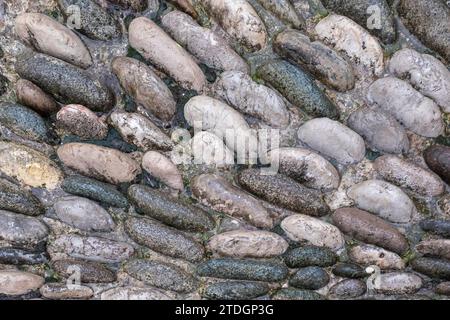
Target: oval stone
[
  {"x": 90, "y": 272},
  {"x": 310, "y": 256},
  {"x": 134, "y": 293},
  {"x": 251, "y": 244},
  {"x": 333, "y": 139},
  {"x": 17, "y": 283},
  {"x": 235, "y": 290},
  {"x": 310, "y": 278},
  {"x": 368, "y": 255},
  {"x": 30, "y": 95},
  {"x": 21, "y": 230},
  {"x": 209, "y": 149},
  {"x": 296, "y": 294},
  {"x": 60, "y": 291},
  {"x": 440, "y": 227},
  {"x": 17, "y": 256},
  {"x": 432, "y": 267},
  {"x": 349, "y": 270},
  {"x": 397, "y": 283},
  {"x": 437, "y": 248},
  {"x": 162, "y": 168},
  {"x": 348, "y": 288},
  {"x": 369, "y": 228},
  {"x": 13, "y": 198},
  {"x": 284, "y": 10},
  {"x": 99, "y": 162},
  {"x": 437, "y": 158}
]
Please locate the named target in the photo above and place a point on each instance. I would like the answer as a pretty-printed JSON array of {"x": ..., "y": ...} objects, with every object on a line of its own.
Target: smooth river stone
[
  {"x": 48, "y": 36},
  {"x": 240, "y": 91},
  {"x": 317, "y": 58},
  {"x": 333, "y": 139},
  {"x": 90, "y": 271},
  {"x": 83, "y": 214},
  {"x": 347, "y": 36},
  {"x": 144, "y": 85},
  {"x": 348, "y": 288},
  {"x": 409, "y": 175},
  {"x": 29, "y": 166},
  {"x": 243, "y": 269},
  {"x": 30, "y": 95},
  {"x": 437, "y": 158},
  {"x": 60, "y": 291},
  {"x": 368, "y": 228},
  {"x": 296, "y": 294},
  {"x": 235, "y": 290},
  {"x": 161, "y": 275},
  {"x": 416, "y": 112},
  {"x": 67, "y": 83},
  {"x": 439, "y": 227},
  {"x": 168, "y": 210},
  {"x": 367, "y": 255},
  {"x": 310, "y": 278},
  {"x": 94, "y": 190},
  {"x": 383, "y": 199},
  {"x": 248, "y": 244},
  {"x": 240, "y": 21},
  {"x": 310, "y": 256},
  {"x": 432, "y": 267},
  {"x": 18, "y": 256},
  {"x": 437, "y": 248},
  {"x": 162, "y": 168},
  {"x": 21, "y": 230},
  {"x": 137, "y": 129},
  {"x": 307, "y": 167},
  {"x": 219, "y": 194},
  {"x": 380, "y": 130},
  {"x": 428, "y": 20},
  {"x": 302, "y": 228},
  {"x": 209, "y": 149},
  {"x": 284, "y": 10},
  {"x": 90, "y": 248},
  {"x": 99, "y": 162},
  {"x": 134, "y": 293},
  {"x": 208, "y": 46},
  {"x": 156, "y": 46},
  {"x": 82, "y": 122},
  {"x": 298, "y": 87},
  {"x": 13, "y": 198},
  {"x": 284, "y": 192},
  {"x": 397, "y": 283},
  {"x": 425, "y": 73},
  {"x": 17, "y": 283},
  {"x": 164, "y": 239}
]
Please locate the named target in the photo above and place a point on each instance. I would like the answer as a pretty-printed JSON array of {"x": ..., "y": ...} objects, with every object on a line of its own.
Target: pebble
[
  {"x": 438, "y": 248},
  {"x": 367, "y": 255},
  {"x": 380, "y": 130},
  {"x": 209, "y": 149},
  {"x": 89, "y": 271},
  {"x": 437, "y": 158},
  {"x": 219, "y": 194},
  {"x": 48, "y": 36},
  {"x": 136, "y": 5},
  {"x": 134, "y": 293},
  {"x": 90, "y": 248},
  {"x": 369, "y": 228},
  {"x": 296, "y": 294},
  {"x": 283, "y": 191},
  {"x": 432, "y": 32},
  {"x": 161, "y": 275},
  {"x": 397, "y": 283},
  {"x": 145, "y": 87},
  {"x": 360, "y": 12},
  {"x": 349, "y": 37},
  {"x": 310, "y": 256},
  {"x": 409, "y": 175},
  {"x": 162, "y": 168},
  {"x": 443, "y": 288},
  {"x": 383, "y": 199},
  {"x": 60, "y": 291},
  {"x": 425, "y": 73},
  {"x": 67, "y": 83},
  {"x": 170, "y": 211},
  {"x": 235, "y": 290},
  {"x": 440, "y": 227},
  {"x": 321, "y": 61},
  {"x": 157, "y": 47},
  {"x": 94, "y": 190},
  {"x": 21, "y": 230},
  {"x": 248, "y": 244},
  {"x": 348, "y": 288},
  {"x": 30, "y": 95},
  {"x": 163, "y": 239},
  {"x": 140, "y": 131},
  {"x": 312, "y": 278},
  {"x": 83, "y": 214},
  {"x": 333, "y": 139},
  {"x": 243, "y": 269},
  {"x": 239, "y": 90},
  {"x": 284, "y": 10},
  {"x": 95, "y": 22},
  {"x": 13, "y": 198},
  {"x": 206, "y": 45},
  {"x": 316, "y": 232},
  {"x": 17, "y": 283},
  {"x": 432, "y": 267},
  {"x": 81, "y": 122},
  {"x": 240, "y": 21},
  {"x": 18, "y": 256},
  {"x": 349, "y": 270},
  {"x": 298, "y": 87},
  {"x": 24, "y": 122},
  {"x": 307, "y": 167},
  {"x": 415, "y": 111},
  {"x": 186, "y": 6},
  {"x": 99, "y": 162}
]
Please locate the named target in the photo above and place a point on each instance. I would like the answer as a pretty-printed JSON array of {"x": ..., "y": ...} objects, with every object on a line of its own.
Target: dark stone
[
  {"x": 90, "y": 272},
  {"x": 17, "y": 256},
  {"x": 434, "y": 268},
  {"x": 13, "y": 198},
  {"x": 440, "y": 227},
  {"x": 311, "y": 278},
  {"x": 349, "y": 270},
  {"x": 437, "y": 158},
  {"x": 348, "y": 288},
  {"x": 235, "y": 290},
  {"x": 297, "y": 294},
  {"x": 310, "y": 256},
  {"x": 3, "y": 84}
]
